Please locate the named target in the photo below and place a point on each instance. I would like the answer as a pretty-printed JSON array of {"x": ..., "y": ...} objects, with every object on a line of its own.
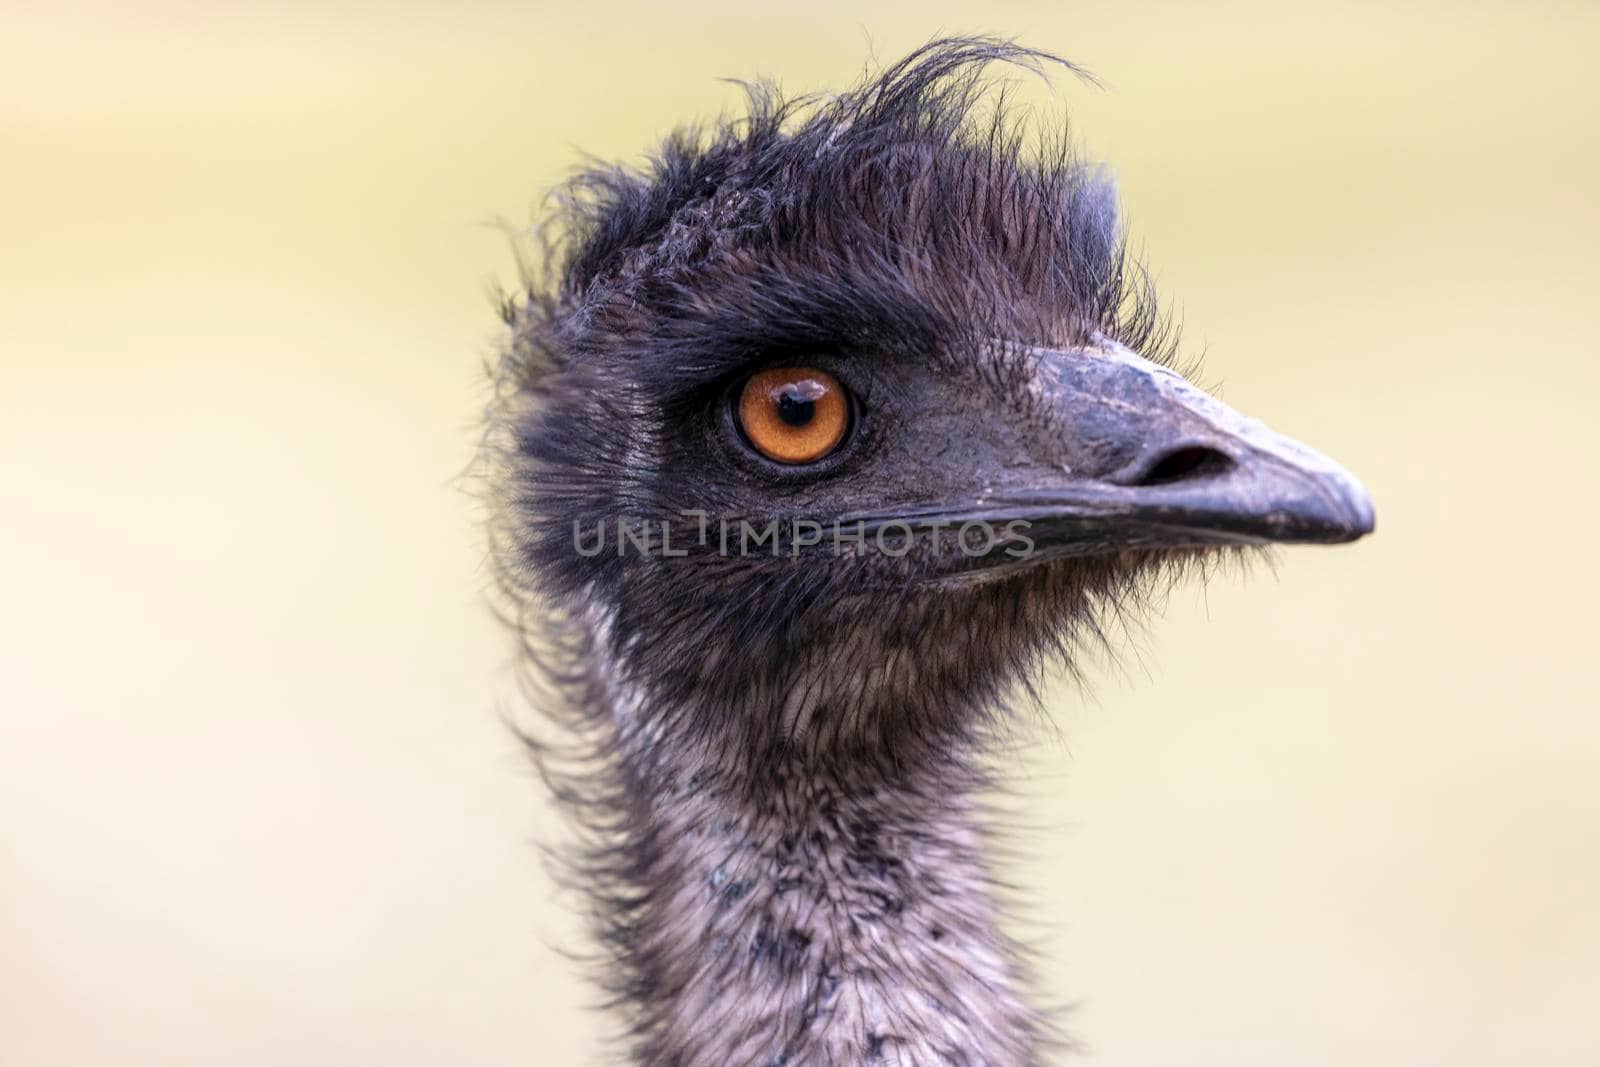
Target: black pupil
[{"x": 794, "y": 408}]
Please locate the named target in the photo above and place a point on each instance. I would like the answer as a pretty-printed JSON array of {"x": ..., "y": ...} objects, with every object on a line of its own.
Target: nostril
[{"x": 1186, "y": 465}]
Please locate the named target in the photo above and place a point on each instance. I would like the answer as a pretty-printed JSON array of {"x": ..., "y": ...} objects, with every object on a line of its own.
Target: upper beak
[{"x": 1149, "y": 458}]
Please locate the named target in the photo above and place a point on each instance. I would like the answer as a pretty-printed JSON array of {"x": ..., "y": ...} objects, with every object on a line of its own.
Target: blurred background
[{"x": 257, "y": 805}]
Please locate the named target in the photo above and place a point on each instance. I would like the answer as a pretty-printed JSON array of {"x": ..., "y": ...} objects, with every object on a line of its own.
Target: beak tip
[
  {"x": 1327, "y": 507},
  {"x": 1354, "y": 516},
  {"x": 1362, "y": 518},
  {"x": 1366, "y": 518}
]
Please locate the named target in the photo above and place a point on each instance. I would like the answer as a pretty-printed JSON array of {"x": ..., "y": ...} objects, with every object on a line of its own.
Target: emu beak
[{"x": 1153, "y": 460}]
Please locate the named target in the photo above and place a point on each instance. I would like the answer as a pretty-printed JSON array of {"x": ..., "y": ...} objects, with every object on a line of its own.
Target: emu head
[{"x": 878, "y": 321}]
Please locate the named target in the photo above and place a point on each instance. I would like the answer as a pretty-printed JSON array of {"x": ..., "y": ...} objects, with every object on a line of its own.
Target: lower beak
[{"x": 1153, "y": 460}]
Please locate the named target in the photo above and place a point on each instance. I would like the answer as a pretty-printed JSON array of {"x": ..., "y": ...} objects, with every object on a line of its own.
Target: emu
[{"x": 904, "y": 355}]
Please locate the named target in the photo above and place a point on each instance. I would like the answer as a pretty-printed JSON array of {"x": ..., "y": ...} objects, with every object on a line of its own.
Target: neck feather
[{"x": 790, "y": 906}]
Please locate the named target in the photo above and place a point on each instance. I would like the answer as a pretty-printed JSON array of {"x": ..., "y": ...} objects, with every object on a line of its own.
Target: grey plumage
[{"x": 775, "y": 762}]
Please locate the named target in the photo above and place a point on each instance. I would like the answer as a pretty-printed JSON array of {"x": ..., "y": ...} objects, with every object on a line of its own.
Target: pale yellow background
[{"x": 256, "y": 804}]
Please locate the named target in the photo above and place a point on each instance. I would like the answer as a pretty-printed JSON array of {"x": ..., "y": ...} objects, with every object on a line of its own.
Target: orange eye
[{"x": 794, "y": 414}]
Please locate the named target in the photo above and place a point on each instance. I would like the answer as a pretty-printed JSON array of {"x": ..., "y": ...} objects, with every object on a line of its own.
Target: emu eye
[{"x": 794, "y": 414}]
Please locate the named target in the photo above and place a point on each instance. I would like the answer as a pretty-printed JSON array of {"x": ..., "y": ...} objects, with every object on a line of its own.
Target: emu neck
[{"x": 798, "y": 909}]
